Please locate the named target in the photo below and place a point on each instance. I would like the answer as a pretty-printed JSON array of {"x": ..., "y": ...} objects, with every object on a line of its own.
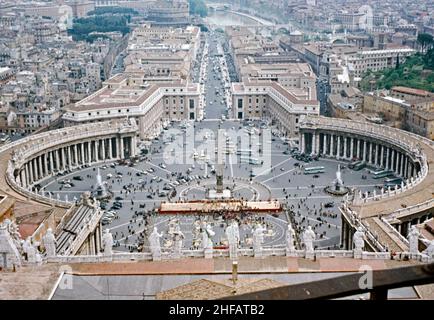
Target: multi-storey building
[
  {"x": 150, "y": 103},
  {"x": 377, "y": 60},
  {"x": 256, "y": 99}
]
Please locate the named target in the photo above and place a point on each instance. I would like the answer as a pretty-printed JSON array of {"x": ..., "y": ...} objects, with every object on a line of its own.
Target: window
[
  {"x": 191, "y": 103},
  {"x": 240, "y": 103}
]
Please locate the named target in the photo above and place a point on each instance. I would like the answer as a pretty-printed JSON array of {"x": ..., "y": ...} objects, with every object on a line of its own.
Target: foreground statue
[
  {"x": 154, "y": 242},
  {"x": 107, "y": 242},
  {"x": 359, "y": 242},
  {"x": 178, "y": 240},
  {"x": 49, "y": 241},
  {"x": 413, "y": 239},
  {"x": 233, "y": 236},
  {"x": 290, "y": 235},
  {"x": 308, "y": 239},
  {"x": 32, "y": 253},
  {"x": 258, "y": 240},
  {"x": 429, "y": 251},
  {"x": 207, "y": 234},
  {"x": 8, "y": 246}
]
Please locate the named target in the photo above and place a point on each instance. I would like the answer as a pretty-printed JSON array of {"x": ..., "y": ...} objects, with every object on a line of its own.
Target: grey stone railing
[{"x": 245, "y": 252}]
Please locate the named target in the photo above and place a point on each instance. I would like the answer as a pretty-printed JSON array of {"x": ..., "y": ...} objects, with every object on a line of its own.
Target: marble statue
[
  {"x": 8, "y": 246},
  {"x": 107, "y": 242},
  {"x": 154, "y": 242},
  {"x": 233, "y": 236},
  {"x": 258, "y": 234},
  {"x": 87, "y": 200},
  {"x": 359, "y": 240},
  {"x": 31, "y": 251},
  {"x": 413, "y": 239},
  {"x": 290, "y": 234},
  {"x": 429, "y": 251},
  {"x": 308, "y": 239},
  {"x": 258, "y": 239},
  {"x": 13, "y": 231},
  {"x": 49, "y": 241},
  {"x": 178, "y": 239},
  {"x": 207, "y": 234}
]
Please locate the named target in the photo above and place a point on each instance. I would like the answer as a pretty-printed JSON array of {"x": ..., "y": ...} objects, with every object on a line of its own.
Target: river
[{"x": 224, "y": 18}]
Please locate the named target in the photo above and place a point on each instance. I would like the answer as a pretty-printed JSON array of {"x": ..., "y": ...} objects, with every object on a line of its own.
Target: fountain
[
  {"x": 337, "y": 188},
  {"x": 100, "y": 190}
]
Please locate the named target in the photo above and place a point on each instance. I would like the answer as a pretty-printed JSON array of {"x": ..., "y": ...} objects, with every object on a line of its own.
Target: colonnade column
[
  {"x": 377, "y": 151},
  {"x": 382, "y": 156},
  {"x": 110, "y": 153},
  {"x": 30, "y": 172},
  {"x": 121, "y": 147},
  {"x": 302, "y": 147},
  {"x": 324, "y": 144},
  {"x": 364, "y": 150},
  {"x": 75, "y": 151},
  {"x": 388, "y": 158},
  {"x": 103, "y": 149},
  {"x": 89, "y": 151},
  {"x": 46, "y": 164},
  {"x": 359, "y": 153},
  {"x": 338, "y": 151},
  {"x": 351, "y": 148},
  {"x": 393, "y": 160},
  {"x": 402, "y": 165},
  {"x": 345, "y": 147},
  {"x": 82, "y": 154},
  {"x": 69, "y": 155},
  {"x": 332, "y": 141}
]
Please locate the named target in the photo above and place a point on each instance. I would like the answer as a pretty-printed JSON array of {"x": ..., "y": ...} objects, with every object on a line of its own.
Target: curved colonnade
[
  {"x": 389, "y": 213},
  {"x": 40, "y": 156}
]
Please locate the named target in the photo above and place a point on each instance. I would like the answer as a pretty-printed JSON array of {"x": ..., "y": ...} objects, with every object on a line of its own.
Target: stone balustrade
[
  {"x": 410, "y": 210},
  {"x": 394, "y": 231},
  {"x": 244, "y": 252},
  {"x": 352, "y": 217}
]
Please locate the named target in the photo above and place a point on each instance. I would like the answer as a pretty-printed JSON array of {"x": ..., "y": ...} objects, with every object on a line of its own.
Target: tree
[
  {"x": 425, "y": 40},
  {"x": 198, "y": 7}
]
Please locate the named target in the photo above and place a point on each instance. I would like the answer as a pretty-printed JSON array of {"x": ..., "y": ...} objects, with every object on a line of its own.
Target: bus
[
  {"x": 313, "y": 170},
  {"x": 391, "y": 182},
  {"x": 255, "y": 161},
  {"x": 244, "y": 159},
  {"x": 244, "y": 152},
  {"x": 357, "y": 166},
  {"x": 382, "y": 174}
]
